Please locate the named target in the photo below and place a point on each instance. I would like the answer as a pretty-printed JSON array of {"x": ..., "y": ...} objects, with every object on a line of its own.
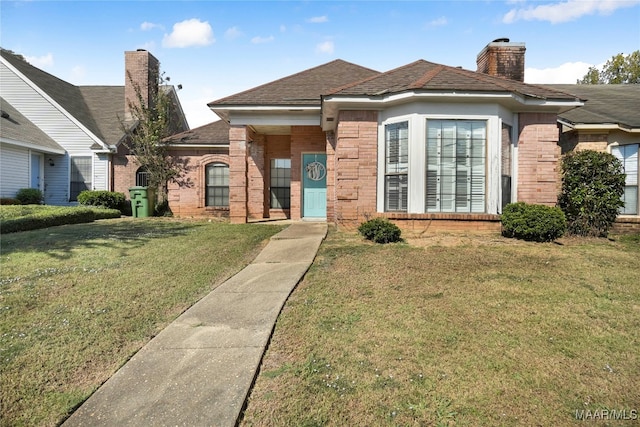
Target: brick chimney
[
  {"x": 141, "y": 70},
  {"x": 502, "y": 58}
]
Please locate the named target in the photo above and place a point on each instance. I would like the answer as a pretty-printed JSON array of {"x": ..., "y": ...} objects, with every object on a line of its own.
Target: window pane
[
  {"x": 280, "y": 183},
  {"x": 630, "y": 199},
  {"x": 217, "y": 182},
  {"x": 80, "y": 176},
  {"x": 397, "y": 166},
  {"x": 628, "y": 156},
  {"x": 396, "y": 192},
  {"x": 455, "y": 166}
]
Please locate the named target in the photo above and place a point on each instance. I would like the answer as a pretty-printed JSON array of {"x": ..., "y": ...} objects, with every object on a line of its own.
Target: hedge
[
  {"x": 537, "y": 223},
  {"x": 30, "y": 218},
  {"x": 105, "y": 199}
]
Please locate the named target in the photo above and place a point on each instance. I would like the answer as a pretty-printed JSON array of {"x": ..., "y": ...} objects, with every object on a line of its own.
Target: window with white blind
[
  {"x": 80, "y": 176},
  {"x": 628, "y": 156},
  {"x": 456, "y": 166},
  {"x": 396, "y": 166},
  {"x": 280, "y": 183},
  {"x": 217, "y": 190},
  {"x": 142, "y": 177}
]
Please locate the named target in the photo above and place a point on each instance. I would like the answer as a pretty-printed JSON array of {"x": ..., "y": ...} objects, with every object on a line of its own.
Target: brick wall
[
  {"x": 256, "y": 177},
  {"x": 576, "y": 141},
  {"x": 538, "y": 159},
  {"x": 187, "y": 196},
  {"x": 304, "y": 139},
  {"x": 123, "y": 170},
  {"x": 502, "y": 59},
  {"x": 354, "y": 166}
]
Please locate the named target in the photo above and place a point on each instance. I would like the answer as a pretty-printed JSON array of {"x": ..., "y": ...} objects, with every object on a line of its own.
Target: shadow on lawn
[{"x": 60, "y": 242}]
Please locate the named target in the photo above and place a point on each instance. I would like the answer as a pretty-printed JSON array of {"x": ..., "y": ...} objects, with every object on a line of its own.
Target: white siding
[
  {"x": 72, "y": 136},
  {"x": 14, "y": 169}
]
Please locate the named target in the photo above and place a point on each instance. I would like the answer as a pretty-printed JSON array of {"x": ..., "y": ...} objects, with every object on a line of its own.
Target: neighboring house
[
  {"x": 610, "y": 122},
  {"x": 25, "y": 151},
  {"x": 84, "y": 124},
  {"x": 426, "y": 145}
]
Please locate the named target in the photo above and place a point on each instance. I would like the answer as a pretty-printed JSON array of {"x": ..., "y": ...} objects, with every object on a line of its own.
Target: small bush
[
  {"x": 536, "y": 223},
  {"x": 9, "y": 201},
  {"x": 36, "y": 217},
  {"x": 105, "y": 199},
  {"x": 592, "y": 188},
  {"x": 380, "y": 230},
  {"x": 29, "y": 196}
]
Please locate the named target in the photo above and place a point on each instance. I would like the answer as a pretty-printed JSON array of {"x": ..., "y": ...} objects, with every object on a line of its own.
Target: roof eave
[{"x": 599, "y": 127}]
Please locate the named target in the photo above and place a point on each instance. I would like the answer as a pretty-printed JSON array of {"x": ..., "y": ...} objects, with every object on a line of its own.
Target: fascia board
[
  {"x": 32, "y": 146},
  {"x": 54, "y": 103}
]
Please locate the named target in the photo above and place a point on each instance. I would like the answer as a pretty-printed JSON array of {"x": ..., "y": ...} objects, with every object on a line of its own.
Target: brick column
[
  {"x": 538, "y": 156},
  {"x": 256, "y": 176},
  {"x": 238, "y": 174}
]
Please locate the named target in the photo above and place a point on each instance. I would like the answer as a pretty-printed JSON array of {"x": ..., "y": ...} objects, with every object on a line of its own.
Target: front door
[
  {"x": 314, "y": 185},
  {"x": 36, "y": 171}
]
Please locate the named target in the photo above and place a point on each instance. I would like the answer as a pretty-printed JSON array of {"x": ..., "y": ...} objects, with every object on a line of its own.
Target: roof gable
[{"x": 303, "y": 88}]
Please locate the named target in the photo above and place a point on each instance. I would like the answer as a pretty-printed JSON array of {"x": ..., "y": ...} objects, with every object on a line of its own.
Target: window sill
[{"x": 441, "y": 216}]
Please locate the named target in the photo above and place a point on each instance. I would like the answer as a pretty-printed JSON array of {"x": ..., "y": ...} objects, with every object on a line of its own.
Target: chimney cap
[
  {"x": 141, "y": 50},
  {"x": 502, "y": 40}
]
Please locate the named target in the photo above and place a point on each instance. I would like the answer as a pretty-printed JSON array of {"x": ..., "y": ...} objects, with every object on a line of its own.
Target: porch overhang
[{"x": 269, "y": 119}]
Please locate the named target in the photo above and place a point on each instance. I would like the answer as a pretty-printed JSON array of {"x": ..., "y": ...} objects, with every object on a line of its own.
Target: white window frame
[
  {"x": 416, "y": 178},
  {"x": 632, "y": 179},
  {"x": 91, "y": 183}
]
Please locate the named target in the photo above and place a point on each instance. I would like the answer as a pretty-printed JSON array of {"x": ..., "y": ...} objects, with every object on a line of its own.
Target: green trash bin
[{"x": 143, "y": 201}]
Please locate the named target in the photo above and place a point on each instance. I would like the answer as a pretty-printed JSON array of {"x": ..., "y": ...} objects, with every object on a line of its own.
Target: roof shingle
[{"x": 17, "y": 127}]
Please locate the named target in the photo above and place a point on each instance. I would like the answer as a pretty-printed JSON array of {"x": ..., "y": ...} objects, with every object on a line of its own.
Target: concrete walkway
[{"x": 198, "y": 371}]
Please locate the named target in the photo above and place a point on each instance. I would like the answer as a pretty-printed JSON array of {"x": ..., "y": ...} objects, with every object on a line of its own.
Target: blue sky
[{"x": 218, "y": 48}]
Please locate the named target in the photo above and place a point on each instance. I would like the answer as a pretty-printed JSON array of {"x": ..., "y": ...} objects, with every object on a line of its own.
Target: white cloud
[
  {"x": 40, "y": 61},
  {"x": 325, "y": 47},
  {"x": 567, "y": 73},
  {"x": 259, "y": 39},
  {"x": 233, "y": 33},
  {"x": 191, "y": 32},
  {"x": 565, "y": 11},
  {"x": 283, "y": 28},
  {"x": 318, "y": 19},
  {"x": 437, "y": 22},
  {"x": 147, "y": 26}
]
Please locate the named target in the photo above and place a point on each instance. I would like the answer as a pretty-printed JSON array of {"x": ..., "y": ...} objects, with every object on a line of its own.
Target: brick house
[
  {"x": 62, "y": 138},
  {"x": 610, "y": 122},
  {"x": 426, "y": 145}
]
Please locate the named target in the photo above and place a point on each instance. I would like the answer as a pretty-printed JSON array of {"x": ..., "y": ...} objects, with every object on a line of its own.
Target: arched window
[
  {"x": 217, "y": 185},
  {"x": 142, "y": 177}
]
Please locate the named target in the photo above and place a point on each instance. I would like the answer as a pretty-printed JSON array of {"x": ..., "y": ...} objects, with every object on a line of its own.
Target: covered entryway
[{"x": 314, "y": 186}]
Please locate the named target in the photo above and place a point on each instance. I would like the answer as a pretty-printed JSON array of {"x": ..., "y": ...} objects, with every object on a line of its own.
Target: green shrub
[
  {"x": 105, "y": 199},
  {"x": 537, "y": 223},
  {"x": 36, "y": 217},
  {"x": 592, "y": 188},
  {"x": 9, "y": 201},
  {"x": 380, "y": 230},
  {"x": 29, "y": 196}
]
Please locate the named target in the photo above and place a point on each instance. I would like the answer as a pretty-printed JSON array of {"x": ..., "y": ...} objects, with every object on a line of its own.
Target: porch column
[{"x": 238, "y": 174}]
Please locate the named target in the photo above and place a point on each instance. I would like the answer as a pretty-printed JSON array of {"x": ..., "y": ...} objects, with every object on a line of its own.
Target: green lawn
[
  {"x": 457, "y": 330},
  {"x": 77, "y": 301}
]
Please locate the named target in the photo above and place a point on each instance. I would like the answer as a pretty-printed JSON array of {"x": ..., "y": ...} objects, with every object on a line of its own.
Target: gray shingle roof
[
  {"x": 304, "y": 88},
  {"x": 215, "y": 133},
  {"x": 606, "y": 104},
  {"x": 428, "y": 76},
  {"x": 17, "y": 127}
]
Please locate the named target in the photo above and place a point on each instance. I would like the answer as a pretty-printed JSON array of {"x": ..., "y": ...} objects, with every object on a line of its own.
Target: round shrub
[
  {"x": 29, "y": 196},
  {"x": 536, "y": 223},
  {"x": 105, "y": 199},
  {"x": 380, "y": 230},
  {"x": 591, "y": 195}
]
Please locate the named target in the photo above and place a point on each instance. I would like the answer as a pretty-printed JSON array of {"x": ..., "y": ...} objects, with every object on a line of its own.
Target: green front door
[{"x": 314, "y": 185}]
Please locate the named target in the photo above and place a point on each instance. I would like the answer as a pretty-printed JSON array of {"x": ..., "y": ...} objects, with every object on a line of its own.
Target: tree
[
  {"x": 147, "y": 135},
  {"x": 618, "y": 70}
]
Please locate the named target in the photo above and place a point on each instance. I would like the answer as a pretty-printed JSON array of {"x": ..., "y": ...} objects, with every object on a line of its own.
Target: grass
[
  {"x": 78, "y": 301},
  {"x": 461, "y": 331}
]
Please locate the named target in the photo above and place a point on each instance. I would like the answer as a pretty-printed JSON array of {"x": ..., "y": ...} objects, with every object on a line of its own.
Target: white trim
[
  {"x": 605, "y": 127},
  {"x": 514, "y": 159},
  {"x": 64, "y": 112},
  {"x": 31, "y": 146}
]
